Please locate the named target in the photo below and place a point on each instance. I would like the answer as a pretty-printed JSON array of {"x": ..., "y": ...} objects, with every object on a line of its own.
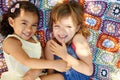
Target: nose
[
  {"x": 29, "y": 29},
  {"x": 62, "y": 32}
]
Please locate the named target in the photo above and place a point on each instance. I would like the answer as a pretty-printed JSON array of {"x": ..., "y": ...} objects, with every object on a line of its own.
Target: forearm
[
  {"x": 79, "y": 65},
  {"x": 40, "y": 63}
]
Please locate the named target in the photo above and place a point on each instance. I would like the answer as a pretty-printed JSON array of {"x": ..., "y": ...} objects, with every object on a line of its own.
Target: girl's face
[
  {"x": 64, "y": 30},
  {"x": 25, "y": 25}
]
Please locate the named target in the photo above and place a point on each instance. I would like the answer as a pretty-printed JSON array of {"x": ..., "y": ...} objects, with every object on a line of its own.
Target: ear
[
  {"x": 11, "y": 21},
  {"x": 52, "y": 35},
  {"x": 78, "y": 28}
]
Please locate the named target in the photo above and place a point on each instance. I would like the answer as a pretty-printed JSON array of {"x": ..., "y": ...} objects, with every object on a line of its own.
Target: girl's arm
[
  {"x": 49, "y": 56},
  {"x": 13, "y": 47},
  {"x": 84, "y": 64},
  {"x": 32, "y": 74}
]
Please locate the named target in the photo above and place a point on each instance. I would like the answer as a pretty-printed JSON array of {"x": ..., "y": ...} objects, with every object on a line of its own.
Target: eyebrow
[
  {"x": 24, "y": 21},
  {"x": 28, "y": 21}
]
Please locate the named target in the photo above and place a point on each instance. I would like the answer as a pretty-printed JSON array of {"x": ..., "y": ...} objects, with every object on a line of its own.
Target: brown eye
[
  {"x": 56, "y": 26},
  {"x": 24, "y": 24},
  {"x": 35, "y": 25},
  {"x": 69, "y": 26}
]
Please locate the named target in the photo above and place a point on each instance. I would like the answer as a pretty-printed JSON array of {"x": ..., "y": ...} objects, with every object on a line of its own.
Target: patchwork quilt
[{"x": 102, "y": 18}]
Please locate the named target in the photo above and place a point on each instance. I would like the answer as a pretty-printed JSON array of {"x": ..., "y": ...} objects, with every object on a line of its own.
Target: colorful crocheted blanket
[{"x": 103, "y": 20}]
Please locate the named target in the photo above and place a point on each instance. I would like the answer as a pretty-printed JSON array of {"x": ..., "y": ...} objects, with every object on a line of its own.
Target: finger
[
  {"x": 63, "y": 42},
  {"x": 68, "y": 66},
  {"x": 55, "y": 43},
  {"x": 52, "y": 50},
  {"x": 52, "y": 44}
]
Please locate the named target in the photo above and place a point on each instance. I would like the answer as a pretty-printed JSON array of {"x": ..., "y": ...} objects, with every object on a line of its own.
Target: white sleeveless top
[{"x": 16, "y": 70}]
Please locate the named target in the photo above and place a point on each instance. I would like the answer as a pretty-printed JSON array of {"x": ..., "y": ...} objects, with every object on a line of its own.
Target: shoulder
[
  {"x": 81, "y": 45},
  {"x": 10, "y": 42},
  {"x": 79, "y": 38}
]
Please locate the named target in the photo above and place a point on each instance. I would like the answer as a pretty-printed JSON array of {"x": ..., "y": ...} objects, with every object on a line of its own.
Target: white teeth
[
  {"x": 27, "y": 34},
  {"x": 63, "y": 37}
]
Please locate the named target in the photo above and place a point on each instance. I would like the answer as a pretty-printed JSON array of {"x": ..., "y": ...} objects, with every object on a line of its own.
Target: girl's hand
[
  {"x": 32, "y": 74},
  {"x": 57, "y": 49}
]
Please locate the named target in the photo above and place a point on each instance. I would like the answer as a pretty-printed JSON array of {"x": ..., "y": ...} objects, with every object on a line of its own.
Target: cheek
[
  {"x": 55, "y": 32},
  {"x": 71, "y": 35},
  {"x": 71, "y": 32},
  {"x": 33, "y": 31}
]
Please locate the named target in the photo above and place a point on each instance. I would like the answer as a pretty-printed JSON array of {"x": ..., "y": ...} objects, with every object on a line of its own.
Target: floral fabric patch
[
  {"x": 111, "y": 28},
  {"x": 102, "y": 72},
  {"x": 108, "y": 43},
  {"x": 96, "y": 8},
  {"x": 92, "y": 21},
  {"x": 105, "y": 58},
  {"x": 113, "y": 11}
]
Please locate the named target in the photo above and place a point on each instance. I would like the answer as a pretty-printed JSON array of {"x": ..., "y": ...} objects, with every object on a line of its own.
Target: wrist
[
  {"x": 55, "y": 64},
  {"x": 70, "y": 60},
  {"x": 66, "y": 57}
]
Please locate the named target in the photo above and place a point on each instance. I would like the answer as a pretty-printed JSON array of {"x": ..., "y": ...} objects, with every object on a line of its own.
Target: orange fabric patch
[
  {"x": 109, "y": 43},
  {"x": 92, "y": 21}
]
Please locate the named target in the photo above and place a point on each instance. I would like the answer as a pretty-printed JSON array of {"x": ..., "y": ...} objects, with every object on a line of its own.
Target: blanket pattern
[{"x": 102, "y": 17}]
